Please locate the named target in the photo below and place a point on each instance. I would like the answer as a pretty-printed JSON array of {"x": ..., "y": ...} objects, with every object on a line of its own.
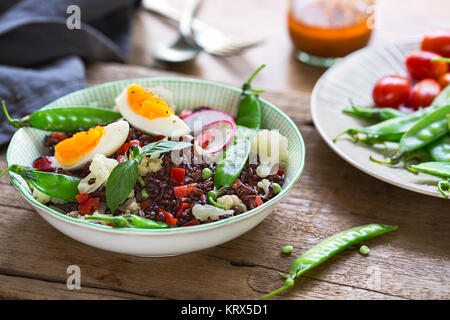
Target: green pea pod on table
[
  {"x": 65, "y": 119},
  {"x": 373, "y": 113},
  {"x": 129, "y": 221},
  {"x": 235, "y": 156},
  {"x": 327, "y": 249},
  {"x": 439, "y": 169},
  {"x": 55, "y": 185}
]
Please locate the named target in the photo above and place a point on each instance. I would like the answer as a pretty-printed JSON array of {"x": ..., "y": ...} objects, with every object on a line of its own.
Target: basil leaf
[
  {"x": 163, "y": 146},
  {"x": 120, "y": 183}
]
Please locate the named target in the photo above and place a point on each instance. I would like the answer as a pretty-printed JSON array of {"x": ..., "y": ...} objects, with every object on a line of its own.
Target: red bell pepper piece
[
  {"x": 258, "y": 201},
  {"x": 170, "y": 219},
  {"x": 82, "y": 197},
  {"x": 191, "y": 223},
  {"x": 124, "y": 148},
  {"x": 160, "y": 137},
  {"x": 183, "y": 206},
  {"x": 280, "y": 172},
  {"x": 44, "y": 164},
  {"x": 184, "y": 191},
  {"x": 177, "y": 175},
  {"x": 60, "y": 136},
  {"x": 89, "y": 206},
  {"x": 147, "y": 203}
]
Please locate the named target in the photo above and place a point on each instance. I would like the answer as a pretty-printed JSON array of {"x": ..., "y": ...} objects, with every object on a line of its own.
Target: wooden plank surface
[{"x": 412, "y": 263}]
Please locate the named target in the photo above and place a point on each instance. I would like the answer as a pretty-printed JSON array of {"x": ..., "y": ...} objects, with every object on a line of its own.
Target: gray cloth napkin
[{"x": 41, "y": 59}]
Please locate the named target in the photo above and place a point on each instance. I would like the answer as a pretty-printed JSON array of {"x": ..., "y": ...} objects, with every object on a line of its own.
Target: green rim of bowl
[{"x": 28, "y": 196}]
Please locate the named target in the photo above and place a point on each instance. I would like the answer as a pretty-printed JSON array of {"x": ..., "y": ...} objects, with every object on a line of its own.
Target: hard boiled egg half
[
  {"x": 149, "y": 113},
  {"x": 73, "y": 153}
]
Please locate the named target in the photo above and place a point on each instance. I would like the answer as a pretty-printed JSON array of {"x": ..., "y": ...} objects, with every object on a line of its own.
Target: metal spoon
[{"x": 185, "y": 48}]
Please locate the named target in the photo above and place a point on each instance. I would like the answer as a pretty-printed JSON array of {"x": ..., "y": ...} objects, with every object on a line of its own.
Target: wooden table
[{"x": 412, "y": 263}]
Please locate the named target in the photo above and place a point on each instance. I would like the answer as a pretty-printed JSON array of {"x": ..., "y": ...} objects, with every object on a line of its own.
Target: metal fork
[{"x": 210, "y": 39}]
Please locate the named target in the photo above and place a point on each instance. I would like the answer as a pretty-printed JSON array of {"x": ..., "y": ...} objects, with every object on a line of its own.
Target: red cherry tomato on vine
[
  {"x": 420, "y": 66},
  {"x": 437, "y": 41},
  {"x": 424, "y": 92},
  {"x": 391, "y": 91},
  {"x": 444, "y": 80}
]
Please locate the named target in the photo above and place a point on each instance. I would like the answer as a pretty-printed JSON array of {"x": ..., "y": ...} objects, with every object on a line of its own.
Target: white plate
[{"x": 353, "y": 78}]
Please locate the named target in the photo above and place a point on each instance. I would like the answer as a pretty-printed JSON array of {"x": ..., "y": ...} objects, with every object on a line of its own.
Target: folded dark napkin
[{"x": 41, "y": 59}]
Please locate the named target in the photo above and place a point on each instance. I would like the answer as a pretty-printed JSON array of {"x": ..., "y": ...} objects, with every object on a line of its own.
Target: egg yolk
[
  {"x": 70, "y": 151},
  {"x": 146, "y": 104}
]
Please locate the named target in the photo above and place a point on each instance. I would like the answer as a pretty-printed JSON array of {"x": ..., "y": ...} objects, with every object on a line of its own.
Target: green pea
[
  {"x": 144, "y": 194},
  {"x": 287, "y": 249},
  {"x": 364, "y": 250},
  {"x": 276, "y": 188},
  {"x": 206, "y": 173}
]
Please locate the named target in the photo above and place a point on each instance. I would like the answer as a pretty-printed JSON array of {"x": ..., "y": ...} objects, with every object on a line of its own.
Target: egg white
[
  {"x": 115, "y": 135},
  {"x": 171, "y": 126}
]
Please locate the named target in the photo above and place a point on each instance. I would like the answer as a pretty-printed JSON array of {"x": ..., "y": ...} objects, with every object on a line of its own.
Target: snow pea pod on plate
[
  {"x": 373, "y": 113},
  {"x": 65, "y": 119},
  {"x": 439, "y": 150},
  {"x": 430, "y": 128},
  {"x": 440, "y": 169},
  {"x": 55, "y": 185},
  {"x": 393, "y": 129},
  {"x": 327, "y": 249}
]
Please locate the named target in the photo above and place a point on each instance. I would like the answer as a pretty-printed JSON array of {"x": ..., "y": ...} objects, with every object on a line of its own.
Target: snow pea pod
[
  {"x": 440, "y": 169},
  {"x": 327, "y": 249},
  {"x": 388, "y": 130},
  {"x": 249, "y": 109},
  {"x": 248, "y": 120},
  {"x": 439, "y": 150},
  {"x": 373, "y": 113},
  {"x": 393, "y": 129},
  {"x": 65, "y": 119},
  {"x": 428, "y": 129},
  {"x": 55, "y": 185},
  {"x": 130, "y": 221},
  {"x": 236, "y": 155}
]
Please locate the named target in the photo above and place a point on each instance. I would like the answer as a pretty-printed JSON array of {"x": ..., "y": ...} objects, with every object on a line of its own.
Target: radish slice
[
  {"x": 215, "y": 136},
  {"x": 198, "y": 120}
]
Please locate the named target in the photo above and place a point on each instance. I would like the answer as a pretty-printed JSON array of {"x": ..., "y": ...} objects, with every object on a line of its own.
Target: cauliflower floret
[
  {"x": 264, "y": 184},
  {"x": 149, "y": 164},
  {"x": 130, "y": 206},
  {"x": 272, "y": 149},
  {"x": 100, "y": 168},
  {"x": 229, "y": 201},
  {"x": 205, "y": 212},
  {"x": 41, "y": 197},
  {"x": 73, "y": 214}
]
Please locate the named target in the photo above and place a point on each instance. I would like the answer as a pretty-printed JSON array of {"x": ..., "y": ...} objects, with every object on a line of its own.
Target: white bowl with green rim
[{"x": 27, "y": 144}]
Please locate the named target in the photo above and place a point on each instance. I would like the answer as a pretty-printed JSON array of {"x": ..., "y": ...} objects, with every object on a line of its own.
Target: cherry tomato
[
  {"x": 444, "y": 80},
  {"x": 420, "y": 67},
  {"x": 391, "y": 91},
  {"x": 424, "y": 92},
  {"x": 437, "y": 41}
]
